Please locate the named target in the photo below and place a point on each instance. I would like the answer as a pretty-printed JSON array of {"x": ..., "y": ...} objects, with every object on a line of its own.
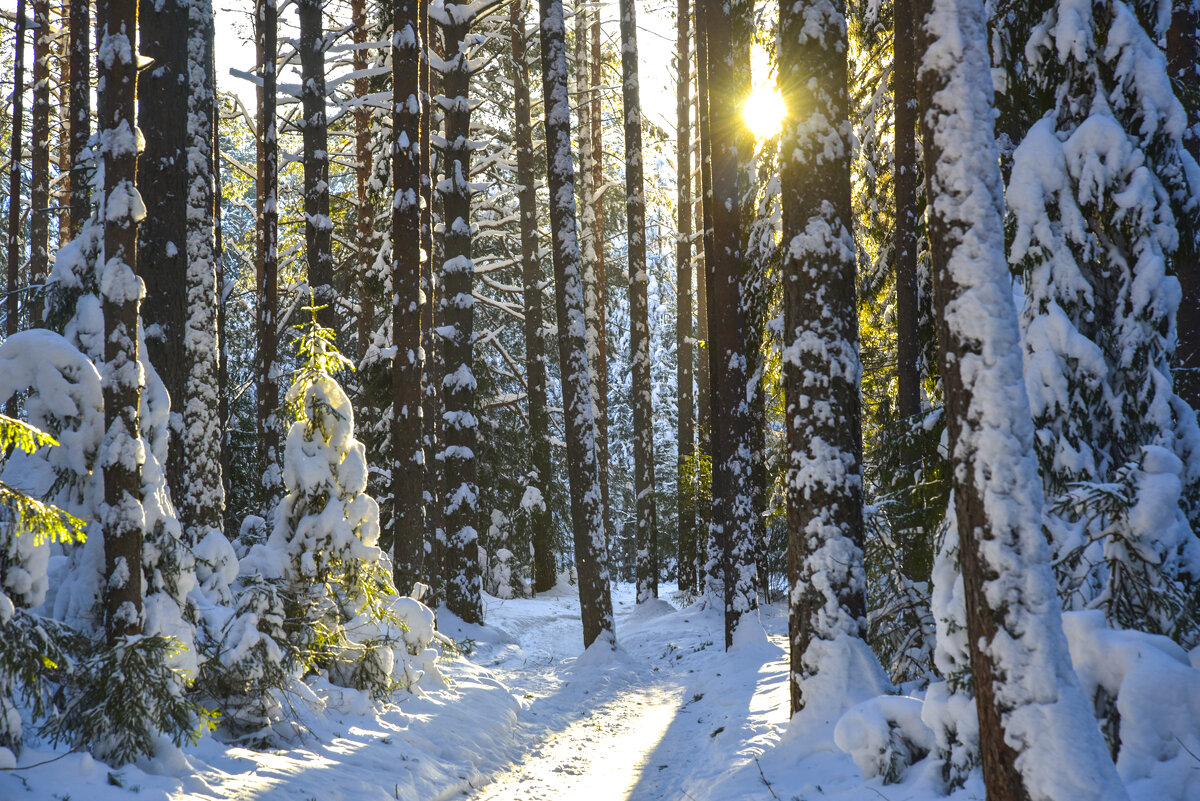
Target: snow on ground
[{"x": 526, "y": 716}]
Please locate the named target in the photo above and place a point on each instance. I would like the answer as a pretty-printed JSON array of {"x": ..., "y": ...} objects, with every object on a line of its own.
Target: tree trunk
[
  {"x": 904, "y": 84},
  {"x": 684, "y": 332},
  {"x": 1026, "y": 694},
  {"x": 463, "y": 582},
  {"x": 408, "y": 453},
  {"x": 732, "y": 505},
  {"x": 366, "y": 244},
  {"x": 821, "y": 367},
  {"x": 639, "y": 313},
  {"x": 202, "y": 503},
  {"x": 1183, "y": 62},
  {"x": 267, "y": 261},
  {"x": 81, "y": 110},
  {"x": 587, "y": 518},
  {"x": 12, "y": 307},
  {"x": 704, "y": 137},
  {"x": 431, "y": 379},
  {"x": 318, "y": 226},
  {"x": 39, "y": 146},
  {"x": 62, "y": 198},
  {"x": 545, "y": 568},
  {"x": 121, "y": 514},
  {"x": 600, "y": 285},
  {"x": 162, "y": 239}
]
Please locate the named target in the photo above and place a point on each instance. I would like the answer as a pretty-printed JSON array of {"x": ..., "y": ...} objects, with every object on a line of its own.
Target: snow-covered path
[{"x": 625, "y": 726}]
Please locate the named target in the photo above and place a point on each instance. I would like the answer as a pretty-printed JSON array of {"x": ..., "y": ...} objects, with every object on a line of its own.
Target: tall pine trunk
[
  {"x": 202, "y": 503},
  {"x": 463, "y": 580},
  {"x": 545, "y": 568},
  {"x": 904, "y": 87},
  {"x": 267, "y": 257},
  {"x": 1026, "y": 694},
  {"x": 821, "y": 368},
  {"x": 122, "y": 515},
  {"x": 162, "y": 238},
  {"x": 431, "y": 377},
  {"x": 732, "y": 504},
  {"x": 408, "y": 453},
  {"x": 39, "y": 146},
  {"x": 587, "y": 520},
  {"x": 81, "y": 109},
  {"x": 366, "y": 244},
  {"x": 13, "y": 251},
  {"x": 600, "y": 285},
  {"x": 639, "y": 314},
  {"x": 1183, "y": 62},
  {"x": 684, "y": 331},
  {"x": 318, "y": 226},
  {"x": 704, "y": 139}
]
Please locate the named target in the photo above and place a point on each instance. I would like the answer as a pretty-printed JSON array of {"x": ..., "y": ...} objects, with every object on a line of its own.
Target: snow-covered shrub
[
  {"x": 1147, "y": 698},
  {"x": 118, "y": 699},
  {"x": 884, "y": 736},
  {"x": 1126, "y": 547},
  {"x": 322, "y": 548},
  {"x": 500, "y": 578}
]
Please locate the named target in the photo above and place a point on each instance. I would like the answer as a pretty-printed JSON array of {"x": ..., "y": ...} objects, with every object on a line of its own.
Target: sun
[{"x": 764, "y": 111}]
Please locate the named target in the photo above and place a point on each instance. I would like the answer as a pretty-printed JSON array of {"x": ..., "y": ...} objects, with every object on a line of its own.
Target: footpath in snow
[{"x": 525, "y": 716}]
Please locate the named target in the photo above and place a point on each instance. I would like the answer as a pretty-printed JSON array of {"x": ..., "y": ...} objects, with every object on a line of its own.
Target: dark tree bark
[
  {"x": 81, "y": 109},
  {"x": 639, "y": 313},
  {"x": 1183, "y": 61},
  {"x": 587, "y": 519},
  {"x": 704, "y": 138},
  {"x": 545, "y": 568},
  {"x": 62, "y": 98},
  {"x": 821, "y": 367},
  {"x": 463, "y": 580},
  {"x": 163, "y": 178},
  {"x": 684, "y": 332},
  {"x": 367, "y": 243},
  {"x": 39, "y": 146},
  {"x": 318, "y": 226},
  {"x": 431, "y": 379},
  {"x": 267, "y": 256},
  {"x": 202, "y": 502},
  {"x": 121, "y": 514},
  {"x": 732, "y": 505},
  {"x": 13, "y": 307},
  {"x": 408, "y": 452},
  {"x": 904, "y": 87}
]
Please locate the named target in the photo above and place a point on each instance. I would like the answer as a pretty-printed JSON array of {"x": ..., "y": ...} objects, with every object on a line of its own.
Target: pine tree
[
  {"x": 545, "y": 569},
  {"x": 685, "y": 335},
  {"x": 318, "y": 226},
  {"x": 1026, "y": 695},
  {"x": 587, "y": 521},
  {"x": 408, "y": 454},
  {"x": 13, "y": 251},
  {"x": 267, "y": 251},
  {"x": 732, "y": 505},
  {"x": 121, "y": 291},
  {"x": 39, "y": 186},
  {"x": 820, "y": 347},
  {"x": 639, "y": 324},
  {"x": 1096, "y": 238},
  {"x": 203, "y": 499},
  {"x": 80, "y": 108}
]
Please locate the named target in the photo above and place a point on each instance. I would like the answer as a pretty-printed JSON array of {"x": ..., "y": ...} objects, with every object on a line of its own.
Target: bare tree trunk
[
  {"x": 821, "y": 368},
  {"x": 81, "y": 110},
  {"x": 408, "y": 453},
  {"x": 684, "y": 331},
  {"x": 39, "y": 146},
  {"x": 1183, "y": 58},
  {"x": 704, "y": 137},
  {"x": 366, "y": 244},
  {"x": 463, "y": 582},
  {"x": 431, "y": 378},
  {"x": 267, "y": 257},
  {"x": 121, "y": 514},
  {"x": 904, "y": 82},
  {"x": 13, "y": 307},
  {"x": 202, "y": 502},
  {"x": 732, "y": 505},
  {"x": 545, "y": 568},
  {"x": 587, "y": 518},
  {"x": 63, "y": 113},
  {"x": 318, "y": 226},
  {"x": 639, "y": 313},
  {"x": 1026, "y": 693},
  {"x": 600, "y": 285}
]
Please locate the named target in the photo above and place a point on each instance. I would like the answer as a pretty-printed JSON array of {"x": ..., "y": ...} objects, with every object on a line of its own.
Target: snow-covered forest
[{"x": 438, "y": 398}]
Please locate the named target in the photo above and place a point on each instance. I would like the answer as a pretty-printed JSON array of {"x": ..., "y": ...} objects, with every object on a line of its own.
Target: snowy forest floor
[{"x": 525, "y": 716}]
